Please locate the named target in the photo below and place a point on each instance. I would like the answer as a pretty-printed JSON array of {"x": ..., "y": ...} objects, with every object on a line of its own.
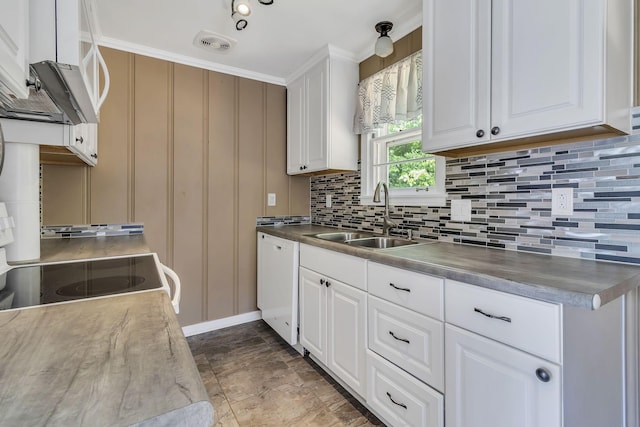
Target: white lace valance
[{"x": 392, "y": 94}]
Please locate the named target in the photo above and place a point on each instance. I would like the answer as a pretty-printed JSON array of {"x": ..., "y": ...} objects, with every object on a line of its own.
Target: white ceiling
[{"x": 279, "y": 39}]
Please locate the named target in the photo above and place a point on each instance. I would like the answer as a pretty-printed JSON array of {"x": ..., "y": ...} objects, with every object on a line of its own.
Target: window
[{"x": 393, "y": 154}]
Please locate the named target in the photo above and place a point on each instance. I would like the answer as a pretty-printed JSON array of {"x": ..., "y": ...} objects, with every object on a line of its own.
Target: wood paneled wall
[{"x": 192, "y": 154}]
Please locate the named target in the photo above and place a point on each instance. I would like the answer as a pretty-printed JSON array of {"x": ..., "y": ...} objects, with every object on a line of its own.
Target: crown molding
[{"x": 188, "y": 60}]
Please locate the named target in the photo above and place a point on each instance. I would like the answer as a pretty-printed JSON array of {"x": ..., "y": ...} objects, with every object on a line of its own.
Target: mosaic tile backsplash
[
  {"x": 90, "y": 230},
  {"x": 282, "y": 220},
  {"x": 510, "y": 196}
]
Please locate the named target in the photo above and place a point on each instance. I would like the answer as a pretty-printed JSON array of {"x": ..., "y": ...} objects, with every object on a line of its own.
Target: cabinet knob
[
  {"x": 480, "y": 133},
  {"x": 80, "y": 140},
  {"x": 300, "y": 167},
  {"x": 327, "y": 283},
  {"x": 322, "y": 281},
  {"x": 304, "y": 167},
  {"x": 543, "y": 375},
  {"x": 495, "y": 130},
  {"x": 94, "y": 155}
]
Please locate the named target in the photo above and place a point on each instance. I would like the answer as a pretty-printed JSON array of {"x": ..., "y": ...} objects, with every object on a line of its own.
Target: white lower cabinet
[
  {"x": 333, "y": 324},
  {"x": 403, "y": 341},
  {"x": 400, "y": 398},
  {"x": 313, "y": 314},
  {"x": 347, "y": 334},
  {"x": 516, "y": 361},
  {"x": 490, "y": 384},
  {"x": 410, "y": 340}
]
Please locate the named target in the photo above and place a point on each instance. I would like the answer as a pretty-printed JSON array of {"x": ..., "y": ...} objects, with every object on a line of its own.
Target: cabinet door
[
  {"x": 295, "y": 127},
  {"x": 83, "y": 142},
  {"x": 347, "y": 320},
  {"x": 278, "y": 285},
  {"x": 489, "y": 384},
  {"x": 547, "y": 65},
  {"x": 313, "y": 314},
  {"x": 456, "y": 73},
  {"x": 14, "y": 31},
  {"x": 317, "y": 92}
]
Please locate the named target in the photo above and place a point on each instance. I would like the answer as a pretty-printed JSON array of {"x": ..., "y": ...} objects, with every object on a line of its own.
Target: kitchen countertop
[
  {"x": 571, "y": 281},
  {"x": 113, "y": 361},
  {"x": 69, "y": 249}
]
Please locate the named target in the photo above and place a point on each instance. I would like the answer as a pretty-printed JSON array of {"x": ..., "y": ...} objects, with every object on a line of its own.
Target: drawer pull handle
[
  {"x": 399, "y": 339},
  {"x": 396, "y": 403},
  {"x": 492, "y": 316},
  {"x": 399, "y": 288},
  {"x": 322, "y": 281}
]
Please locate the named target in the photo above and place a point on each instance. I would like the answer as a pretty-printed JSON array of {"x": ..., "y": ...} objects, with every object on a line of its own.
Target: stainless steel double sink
[{"x": 364, "y": 240}]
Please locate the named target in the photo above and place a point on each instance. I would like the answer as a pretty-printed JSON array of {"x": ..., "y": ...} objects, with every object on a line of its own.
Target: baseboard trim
[{"x": 214, "y": 325}]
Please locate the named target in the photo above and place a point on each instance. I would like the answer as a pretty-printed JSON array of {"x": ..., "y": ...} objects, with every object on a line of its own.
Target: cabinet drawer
[
  {"x": 531, "y": 325},
  {"x": 346, "y": 268},
  {"x": 412, "y": 341},
  {"x": 415, "y": 291},
  {"x": 399, "y": 398}
]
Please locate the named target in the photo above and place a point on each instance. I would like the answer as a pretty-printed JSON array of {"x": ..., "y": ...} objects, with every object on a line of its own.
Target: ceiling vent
[{"x": 215, "y": 42}]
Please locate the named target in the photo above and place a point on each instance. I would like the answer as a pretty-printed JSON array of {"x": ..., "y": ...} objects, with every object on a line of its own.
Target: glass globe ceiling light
[{"x": 384, "y": 44}]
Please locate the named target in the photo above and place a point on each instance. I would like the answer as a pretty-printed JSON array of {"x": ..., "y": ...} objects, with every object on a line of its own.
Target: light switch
[
  {"x": 271, "y": 199},
  {"x": 461, "y": 210},
  {"x": 328, "y": 201}
]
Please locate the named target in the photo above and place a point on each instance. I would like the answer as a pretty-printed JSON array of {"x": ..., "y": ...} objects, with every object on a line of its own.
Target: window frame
[{"x": 435, "y": 196}]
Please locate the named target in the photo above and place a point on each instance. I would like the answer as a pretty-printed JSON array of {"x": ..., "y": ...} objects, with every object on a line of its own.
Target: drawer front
[
  {"x": 399, "y": 398},
  {"x": 530, "y": 325},
  {"x": 345, "y": 268},
  {"x": 414, "y": 291},
  {"x": 412, "y": 341}
]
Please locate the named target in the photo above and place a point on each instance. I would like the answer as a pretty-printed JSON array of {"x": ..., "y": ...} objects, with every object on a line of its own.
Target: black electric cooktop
[{"x": 50, "y": 283}]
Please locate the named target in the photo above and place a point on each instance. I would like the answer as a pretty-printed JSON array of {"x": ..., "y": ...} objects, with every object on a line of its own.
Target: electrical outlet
[
  {"x": 271, "y": 199},
  {"x": 328, "y": 201},
  {"x": 562, "y": 201}
]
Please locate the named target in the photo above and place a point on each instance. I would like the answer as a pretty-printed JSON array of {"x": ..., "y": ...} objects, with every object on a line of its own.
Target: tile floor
[{"x": 254, "y": 378}]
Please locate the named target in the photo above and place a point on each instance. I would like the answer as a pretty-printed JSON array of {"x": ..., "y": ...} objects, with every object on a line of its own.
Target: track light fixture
[
  {"x": 240, "y": 9},
  {"x": 384, "y": 44}
]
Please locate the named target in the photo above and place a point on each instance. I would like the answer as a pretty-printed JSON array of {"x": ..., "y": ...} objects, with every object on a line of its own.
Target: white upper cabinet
[
  {"x": 320, "y": 108},
  {"x": 14, "y": 45},
  {"x": 504, "y": 70}
]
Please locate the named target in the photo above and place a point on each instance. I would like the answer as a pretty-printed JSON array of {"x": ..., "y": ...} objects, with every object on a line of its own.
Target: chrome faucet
[{"x": 387, "y": 222}]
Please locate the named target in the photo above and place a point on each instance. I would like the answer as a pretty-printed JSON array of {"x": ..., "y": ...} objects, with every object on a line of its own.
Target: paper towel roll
[{"x": 20, "y": 190}]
